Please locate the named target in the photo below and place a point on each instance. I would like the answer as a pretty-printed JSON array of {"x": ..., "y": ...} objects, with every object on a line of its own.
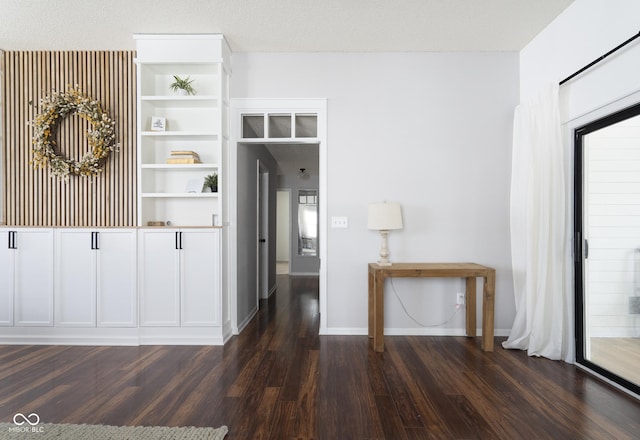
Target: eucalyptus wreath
[{"x": 101, "y": 136}]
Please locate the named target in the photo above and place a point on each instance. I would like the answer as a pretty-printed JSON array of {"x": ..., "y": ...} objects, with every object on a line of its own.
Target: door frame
[
  {"x": 240, "y": 106},
  {"x": 601, "y": 118}
]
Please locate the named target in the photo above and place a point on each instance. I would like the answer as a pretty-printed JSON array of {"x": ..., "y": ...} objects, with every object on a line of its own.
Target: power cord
[{"x": 458, "y": 306}]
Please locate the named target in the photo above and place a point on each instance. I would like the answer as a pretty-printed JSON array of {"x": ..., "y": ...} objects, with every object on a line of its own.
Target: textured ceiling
[{"x": 280, "y": 25}]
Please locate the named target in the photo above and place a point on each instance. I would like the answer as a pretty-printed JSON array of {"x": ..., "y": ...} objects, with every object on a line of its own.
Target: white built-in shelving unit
[{"x": 196, "y": 123}]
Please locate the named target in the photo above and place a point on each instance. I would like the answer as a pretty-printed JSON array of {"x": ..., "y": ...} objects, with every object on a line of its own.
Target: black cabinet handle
[
  {"x": 95, "y": 244},
  {"x": 12, "y": 240},
  {"x": 178, "y": 240}
]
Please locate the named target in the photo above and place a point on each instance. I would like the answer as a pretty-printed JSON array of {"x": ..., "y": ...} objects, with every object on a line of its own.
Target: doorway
[
  {"x": 607, "y": 254},
  {"x": 257, "y": 124},
  {"x": 283, "y": 231}
]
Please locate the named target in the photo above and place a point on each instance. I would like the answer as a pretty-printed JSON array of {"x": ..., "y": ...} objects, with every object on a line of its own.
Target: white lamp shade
[{"x": 385, "y": 216}]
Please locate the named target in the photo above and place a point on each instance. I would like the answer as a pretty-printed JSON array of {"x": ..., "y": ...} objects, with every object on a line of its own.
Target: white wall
[
  {"x": 586, "y": 30},
  {"x": 1, "y": 140},
  {"x": 429, "y": 130}
]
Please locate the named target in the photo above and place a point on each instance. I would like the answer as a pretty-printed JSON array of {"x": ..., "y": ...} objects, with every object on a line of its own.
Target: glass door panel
[{"x": 608, "y": 247}]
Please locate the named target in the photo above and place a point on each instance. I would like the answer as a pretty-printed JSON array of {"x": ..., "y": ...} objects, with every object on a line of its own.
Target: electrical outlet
[{"x": 460, "y": 299}]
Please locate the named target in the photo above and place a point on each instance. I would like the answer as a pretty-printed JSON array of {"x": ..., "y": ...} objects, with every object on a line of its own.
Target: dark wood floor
[{"x": 280, "y": 380}]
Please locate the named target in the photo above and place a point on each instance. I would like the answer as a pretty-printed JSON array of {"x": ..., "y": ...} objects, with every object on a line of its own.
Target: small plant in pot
[
  {"x": 211, "y": 182},
  {"x": 182, "y": 86}
]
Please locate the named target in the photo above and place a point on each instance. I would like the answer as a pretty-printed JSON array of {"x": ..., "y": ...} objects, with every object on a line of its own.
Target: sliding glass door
[{"x": 607, "y": 252}]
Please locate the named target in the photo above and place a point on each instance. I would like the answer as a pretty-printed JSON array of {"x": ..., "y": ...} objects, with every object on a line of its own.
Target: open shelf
[{"x": 195, "y": 123}]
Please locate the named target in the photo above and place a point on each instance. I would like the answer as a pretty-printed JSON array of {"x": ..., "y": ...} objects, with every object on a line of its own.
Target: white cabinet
[
  {"x": 111, "y": 286},
  {"x": 179, "y": 279},
  {"x": 26, "y": 277},
  {"x": 7, "y": 276},
  {"x": 95, "y": 278},
  {"x": 173, "y": 192},
  {"x": 116, "y": 270},
  {"x": 159, "y": 280},
  {"x": 200, "y": 277}
]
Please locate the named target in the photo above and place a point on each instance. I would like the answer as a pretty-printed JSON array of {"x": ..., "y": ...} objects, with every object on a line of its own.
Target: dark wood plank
[{"x": 280, "y": 380}]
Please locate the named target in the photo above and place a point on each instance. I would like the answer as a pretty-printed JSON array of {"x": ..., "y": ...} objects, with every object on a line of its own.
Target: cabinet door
[
  {"x": 34, "y": 277},
  {"x": 159, "y": 277},
  {"x": 75, "y": 278},
  {"x": 6, "y": 279},
  {"x": 116, "y": 278},
  {"x": 200, "y": 277}
]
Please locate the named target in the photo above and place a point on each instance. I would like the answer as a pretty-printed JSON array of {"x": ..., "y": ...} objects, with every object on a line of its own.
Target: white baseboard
[
  {"x": 245, "y": 322},
  {"x": 181, "y": 336},
  {"x": 114, "y": 336}
]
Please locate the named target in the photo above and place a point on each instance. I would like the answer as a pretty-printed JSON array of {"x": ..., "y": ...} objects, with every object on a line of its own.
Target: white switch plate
[{"x": 339, "y": 222}]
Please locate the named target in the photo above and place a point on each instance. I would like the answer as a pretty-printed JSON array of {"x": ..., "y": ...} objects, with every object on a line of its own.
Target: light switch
[{"x": 339, "y": 222}]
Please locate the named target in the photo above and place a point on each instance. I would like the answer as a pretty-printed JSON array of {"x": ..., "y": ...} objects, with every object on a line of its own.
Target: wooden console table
[{"x": 469, "y": 271}]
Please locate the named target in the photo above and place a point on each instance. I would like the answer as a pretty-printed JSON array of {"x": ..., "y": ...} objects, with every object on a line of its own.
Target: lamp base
[{"x": 384, "y": 250}]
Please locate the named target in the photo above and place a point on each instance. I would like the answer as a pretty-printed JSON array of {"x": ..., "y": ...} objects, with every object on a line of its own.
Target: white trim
[
  {"x": 249, "y": 105},
  {"x": 115, "y": 336},
  {"x": 614, "y": 105}
]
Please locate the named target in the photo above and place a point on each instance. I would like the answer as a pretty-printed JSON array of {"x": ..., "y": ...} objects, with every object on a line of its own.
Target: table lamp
[{"x": 383, "y": 217}]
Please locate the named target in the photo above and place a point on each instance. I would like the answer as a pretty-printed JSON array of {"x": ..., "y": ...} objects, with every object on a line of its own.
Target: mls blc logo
[
  {"x": 31, "y": 420},
  {"x": 20, "y": 419}
]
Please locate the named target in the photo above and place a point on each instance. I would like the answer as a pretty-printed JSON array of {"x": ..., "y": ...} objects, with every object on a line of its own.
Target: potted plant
[
  {"x": 182, "y": 85},
  {"x": 211, "y": 181}
]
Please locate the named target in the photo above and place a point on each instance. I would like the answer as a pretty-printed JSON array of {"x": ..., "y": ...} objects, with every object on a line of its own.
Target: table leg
[
  {"x": 488, "y": 305},
  {"x": 371, "y": 308},
  {"x": 378, "y": 306},
  {"x": 470, "y": 301}
]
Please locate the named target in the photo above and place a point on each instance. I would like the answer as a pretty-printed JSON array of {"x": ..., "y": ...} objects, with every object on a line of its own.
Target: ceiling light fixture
[{"x": 303, "y": 174}]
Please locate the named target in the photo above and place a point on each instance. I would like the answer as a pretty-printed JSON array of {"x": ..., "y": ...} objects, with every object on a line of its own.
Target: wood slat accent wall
[{"x": 35, "y": 198}]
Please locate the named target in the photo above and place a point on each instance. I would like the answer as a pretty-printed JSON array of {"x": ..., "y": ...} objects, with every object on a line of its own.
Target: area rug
[{"x": 46, "y": 431}]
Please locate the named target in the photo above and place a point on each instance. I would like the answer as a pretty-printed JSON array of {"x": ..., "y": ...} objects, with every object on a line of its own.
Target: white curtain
[{"x": 538, "y": 228}]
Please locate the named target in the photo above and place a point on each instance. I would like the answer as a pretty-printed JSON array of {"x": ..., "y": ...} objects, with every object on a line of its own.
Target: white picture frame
[
  {"x": 158, "y": 123},
  {"x": 195, "y": 186}
]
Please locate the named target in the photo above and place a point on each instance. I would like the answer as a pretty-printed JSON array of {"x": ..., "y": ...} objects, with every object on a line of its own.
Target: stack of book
[{"x": 177, "y": 157}]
